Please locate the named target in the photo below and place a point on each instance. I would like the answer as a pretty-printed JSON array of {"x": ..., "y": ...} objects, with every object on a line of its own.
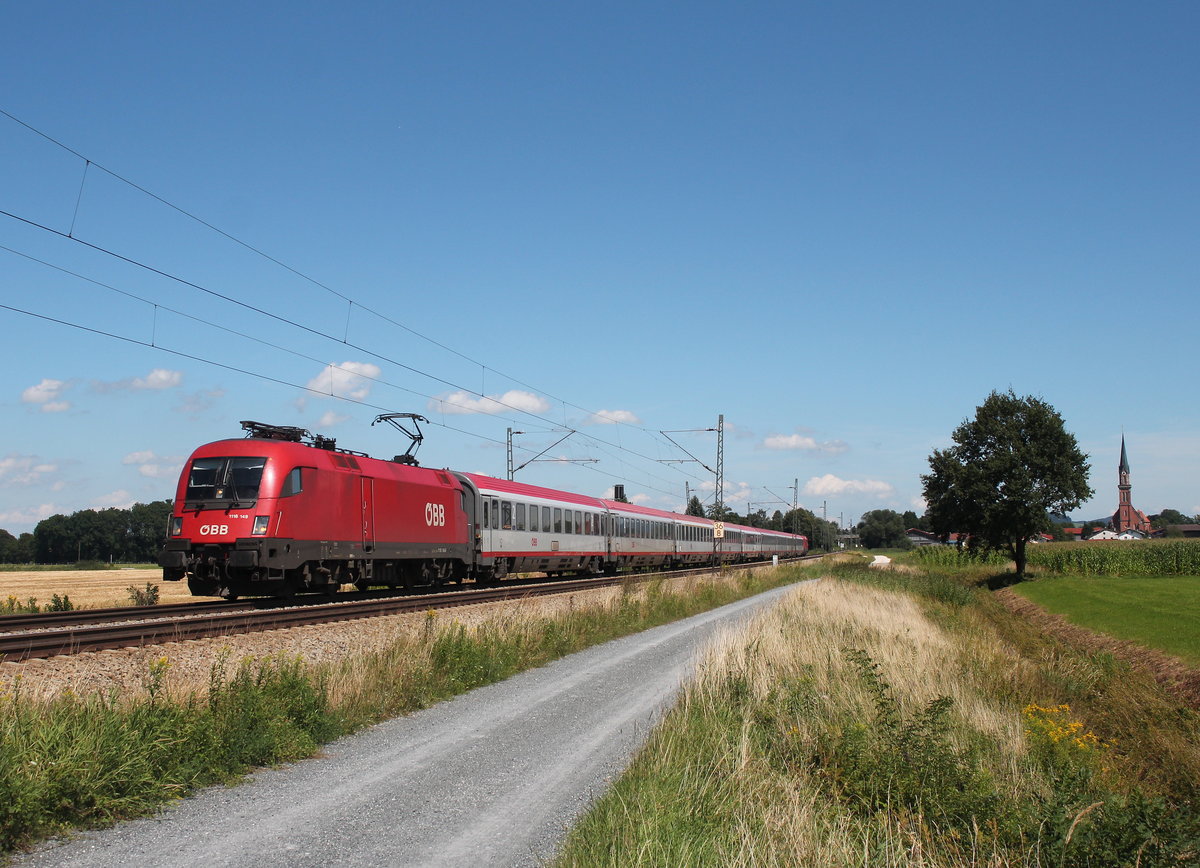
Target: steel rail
[{"x": 15, "y": 647}]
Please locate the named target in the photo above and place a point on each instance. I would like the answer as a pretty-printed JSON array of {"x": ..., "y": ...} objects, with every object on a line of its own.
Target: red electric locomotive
[{"x": 271, "y": 514}]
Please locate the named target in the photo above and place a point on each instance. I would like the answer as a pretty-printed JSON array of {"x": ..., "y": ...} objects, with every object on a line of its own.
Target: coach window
[
  {"x": 557, "y": 520},
  {"x": 519, "y": 523},
  {"x": 587, "y": 524},
  {"x": 578, "y": 521},
  {"x": 545, "y": 519},
  {"x": 506, "y": 515},
  {"x": 533, "y": 516},
  {"x": 567, "y": 523},
  {"x": 486, "y": 506}
]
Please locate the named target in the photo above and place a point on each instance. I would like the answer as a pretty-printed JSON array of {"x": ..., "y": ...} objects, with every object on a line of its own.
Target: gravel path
[{"x": 493, "y": 777}]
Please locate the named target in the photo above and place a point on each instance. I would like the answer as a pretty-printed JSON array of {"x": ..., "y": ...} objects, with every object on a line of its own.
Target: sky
[{"x": 838, "y": 226}]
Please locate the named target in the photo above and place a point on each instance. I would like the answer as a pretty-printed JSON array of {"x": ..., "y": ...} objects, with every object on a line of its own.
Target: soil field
[{"x": 90, "y": 589}]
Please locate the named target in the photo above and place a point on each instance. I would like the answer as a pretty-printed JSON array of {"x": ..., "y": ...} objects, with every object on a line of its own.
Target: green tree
[
  {"x": 882, "y": 528},
  {"x": 1009, "y": 466},
  {"x": 147, "y": 530},
  {"x": 1168, "y": 517},
  {"x": 695, "y": 507}
]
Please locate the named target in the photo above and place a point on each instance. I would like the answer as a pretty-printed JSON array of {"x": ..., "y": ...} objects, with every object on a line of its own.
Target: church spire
[{"x": 1124, "y": 466}]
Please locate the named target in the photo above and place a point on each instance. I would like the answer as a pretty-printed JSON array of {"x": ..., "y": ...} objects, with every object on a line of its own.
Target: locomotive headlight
[
  {"x": 176, "y": 525},
  {"x": 260, "y": 525}
]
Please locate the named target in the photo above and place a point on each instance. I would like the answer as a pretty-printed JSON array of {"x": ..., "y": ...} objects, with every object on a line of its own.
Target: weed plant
[
  {"x": 12, "y": 606},
  {"x": 89, "y": 760},
  {"x": 147, "y": 596}
]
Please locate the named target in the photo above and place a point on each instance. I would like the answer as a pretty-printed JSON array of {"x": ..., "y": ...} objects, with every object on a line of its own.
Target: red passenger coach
[{"x": 270, "y": 514}]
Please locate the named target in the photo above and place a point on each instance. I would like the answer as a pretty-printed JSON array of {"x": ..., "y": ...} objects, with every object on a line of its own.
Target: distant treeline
[{"x": 132, "y": 535}]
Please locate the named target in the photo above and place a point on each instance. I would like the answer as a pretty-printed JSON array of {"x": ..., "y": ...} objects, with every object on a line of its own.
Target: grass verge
[
  {"x": 902, "y": 718},
  {"x": 87, "y": 761},
  {"x": 1162, "y": 613}
]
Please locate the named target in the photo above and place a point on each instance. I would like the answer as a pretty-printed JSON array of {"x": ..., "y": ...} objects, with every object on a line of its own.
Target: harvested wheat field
[{"x": 91, "y": 589}]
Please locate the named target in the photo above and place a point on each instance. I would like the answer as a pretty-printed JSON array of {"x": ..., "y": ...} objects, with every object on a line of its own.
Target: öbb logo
[
  {"x": 435, "y": 514},
  {"x": 214, "y": 529}
]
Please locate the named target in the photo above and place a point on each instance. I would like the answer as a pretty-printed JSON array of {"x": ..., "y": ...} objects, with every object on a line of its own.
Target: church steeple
[
  {"x": 1126, "y": 517},
  {"x": 1123, "y": 484}
]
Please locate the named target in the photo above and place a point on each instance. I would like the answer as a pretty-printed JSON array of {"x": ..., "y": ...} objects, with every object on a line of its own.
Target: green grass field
[{"x": 1162, "y": 613}]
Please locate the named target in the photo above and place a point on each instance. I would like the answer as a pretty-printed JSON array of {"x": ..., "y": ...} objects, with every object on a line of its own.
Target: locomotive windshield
[{"x": 229, "y": 482}]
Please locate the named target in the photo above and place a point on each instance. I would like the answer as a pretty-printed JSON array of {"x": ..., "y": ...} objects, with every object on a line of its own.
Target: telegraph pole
[
  {"x": 718, "y": 541},
  {"x": 511, "y": 432},
  {"x": 795, "y": 501}
]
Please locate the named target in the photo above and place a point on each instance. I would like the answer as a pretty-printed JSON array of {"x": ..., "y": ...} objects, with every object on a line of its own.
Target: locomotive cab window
[{"x": 227, "y": 480}]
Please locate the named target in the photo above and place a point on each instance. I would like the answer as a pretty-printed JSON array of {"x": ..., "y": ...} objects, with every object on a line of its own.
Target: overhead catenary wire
[
  {"x": 287, "y": 321},
  {"x": 267, "y": 378},
  {"x": 351, "y": 304},
  {"x": 247, "y": 246}
]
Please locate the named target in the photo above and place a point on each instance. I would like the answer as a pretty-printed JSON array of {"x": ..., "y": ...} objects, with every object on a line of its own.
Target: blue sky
[{"x": 841, "y": 226}]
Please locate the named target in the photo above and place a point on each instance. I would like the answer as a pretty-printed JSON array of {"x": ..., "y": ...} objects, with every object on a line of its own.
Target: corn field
[
  {"x": 954, "y": 556},
  {"x": 1119, "y": 558}
]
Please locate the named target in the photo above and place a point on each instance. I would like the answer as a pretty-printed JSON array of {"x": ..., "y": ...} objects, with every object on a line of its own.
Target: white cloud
[
  {"x": 613, "y": 417},
  {"x": 351, "y": 380},
  {"x": 27, "y": 516},
  {"x": 462, "y": 402},
  {"x": 48, "y": 394},
  {"x": 154, "y": 466},
  {"x": 120, "y": 498},
  {"x": 919, "y": 504},
  {"x": 821, "y": 486},
  {"x": 640, "y": 499},
  {"x": 199, "y": 402},
  {"x": 157, "y": 380},
  {"x": 329, "y": 419},
  {"x": 23, "y": 469},
  {"x": 804, "y": 443},
  {"x": 740, "y": 491}
]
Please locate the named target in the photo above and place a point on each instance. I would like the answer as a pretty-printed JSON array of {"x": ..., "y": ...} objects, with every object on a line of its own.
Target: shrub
[{"x": 147, "y": 596}]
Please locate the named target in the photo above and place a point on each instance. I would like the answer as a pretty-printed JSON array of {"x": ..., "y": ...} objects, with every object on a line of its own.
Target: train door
[{"x": 368, "y": 513}]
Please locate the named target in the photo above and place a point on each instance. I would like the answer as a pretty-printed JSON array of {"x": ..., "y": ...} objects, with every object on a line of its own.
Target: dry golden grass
[
  {"x": 770, "y": 816},
  {"x": 91, "y": 589}
]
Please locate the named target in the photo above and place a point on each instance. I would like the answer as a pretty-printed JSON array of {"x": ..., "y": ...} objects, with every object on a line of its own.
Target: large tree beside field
[{"x": 1009, "y": 466}]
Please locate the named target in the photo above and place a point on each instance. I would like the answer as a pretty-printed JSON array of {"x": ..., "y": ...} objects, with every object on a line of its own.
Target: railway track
[{"x": 23, "y": 637}]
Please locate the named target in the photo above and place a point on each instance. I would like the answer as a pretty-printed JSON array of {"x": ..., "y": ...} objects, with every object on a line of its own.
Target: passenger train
[{"x": 281, "y": 511}]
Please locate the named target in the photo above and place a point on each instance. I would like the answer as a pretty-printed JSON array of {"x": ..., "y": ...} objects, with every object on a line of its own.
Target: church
[{"x": 1127, "y": 519}]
